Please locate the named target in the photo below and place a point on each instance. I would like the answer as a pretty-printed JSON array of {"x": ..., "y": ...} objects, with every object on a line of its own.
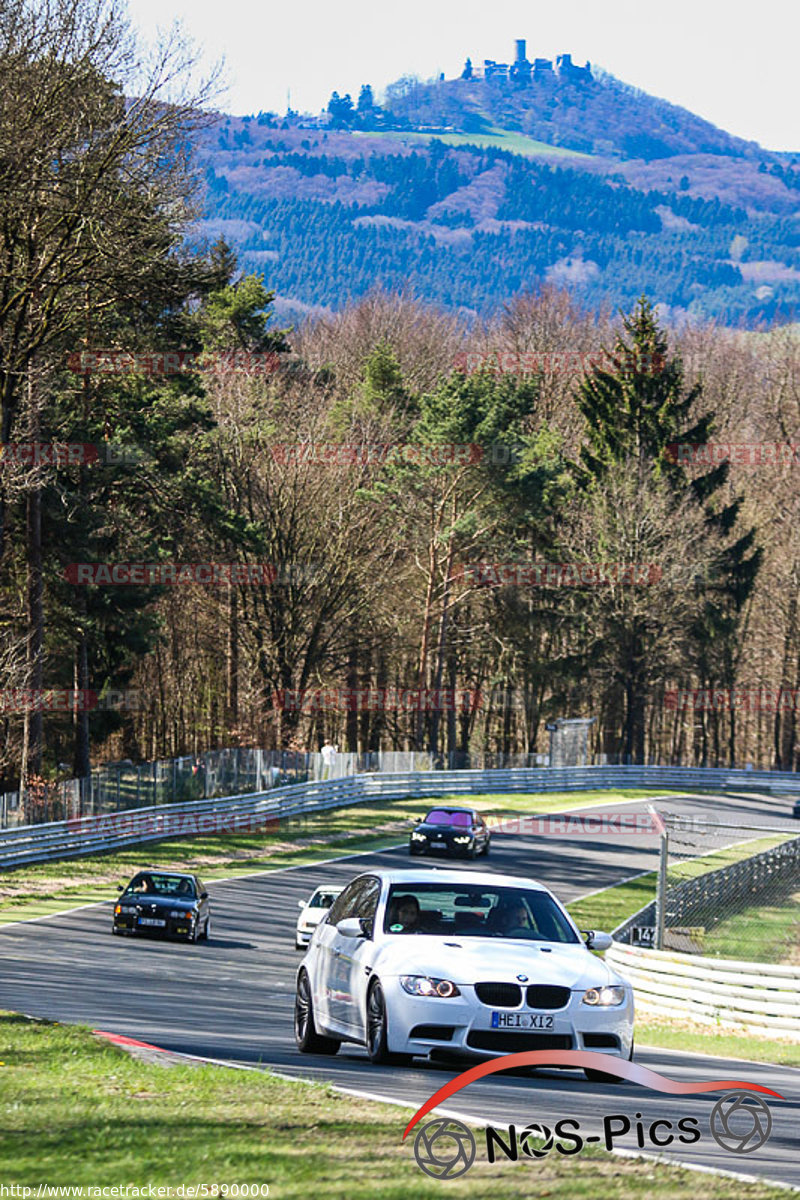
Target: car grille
[
  {"x": 542, "y": 995},
  {"x": 512, "y": 1040},
  {"x": 499, "y": 995}
]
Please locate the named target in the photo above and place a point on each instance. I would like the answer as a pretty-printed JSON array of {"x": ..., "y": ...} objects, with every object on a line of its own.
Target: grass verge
[
  {"x": 708, "y": 1039},
  {"x": 47, "y": 888},
  {"x": 77, "y": 1111},
  {"x": 768, "y": 933}
]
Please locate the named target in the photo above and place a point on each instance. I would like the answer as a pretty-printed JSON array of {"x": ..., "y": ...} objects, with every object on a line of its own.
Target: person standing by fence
[{"x": 328, "y": 752}]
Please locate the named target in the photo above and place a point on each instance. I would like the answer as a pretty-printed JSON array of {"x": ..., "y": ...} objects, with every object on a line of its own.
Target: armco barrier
[
  {"x": 756, "y": 997},
  {"x": 86, "y": 835}
]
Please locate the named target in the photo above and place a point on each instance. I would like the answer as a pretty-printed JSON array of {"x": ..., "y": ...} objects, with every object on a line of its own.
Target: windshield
[
  {"x": 497, "y": 912},
  {"x": 440, "y": 816},
  {"x": 152, "y": 884},
  {"x": 322, "y": 899}
]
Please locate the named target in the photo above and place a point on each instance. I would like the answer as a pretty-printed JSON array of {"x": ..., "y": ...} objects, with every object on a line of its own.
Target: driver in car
[
  {"x": 512, "y": 916},
  {"x": 404, "y": 912}
]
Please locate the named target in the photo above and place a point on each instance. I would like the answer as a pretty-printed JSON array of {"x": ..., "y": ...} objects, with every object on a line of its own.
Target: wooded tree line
[
  {"x": 379, "y": 578},
  {"x": 548, "y": 220}
]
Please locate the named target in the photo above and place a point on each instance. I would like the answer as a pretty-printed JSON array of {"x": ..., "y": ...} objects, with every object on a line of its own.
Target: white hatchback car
[
  {"x": 313, "y": 910},
  {"x": 463, "y": 962}
]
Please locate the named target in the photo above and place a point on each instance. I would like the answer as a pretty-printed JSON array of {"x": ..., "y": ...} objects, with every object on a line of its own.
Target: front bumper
[
  {"x": 462, "y": 1026},
  {"x": 447, "y": 847},
  {"x": 182, "y": 927}
]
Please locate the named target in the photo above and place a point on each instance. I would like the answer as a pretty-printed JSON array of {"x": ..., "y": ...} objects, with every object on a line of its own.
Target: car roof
[
  {"x": 329, "y": 887},
  {"x": 164, "y": 871},
  {"x": 408, "y": 875},
  {"x": 451, "y": 808}
]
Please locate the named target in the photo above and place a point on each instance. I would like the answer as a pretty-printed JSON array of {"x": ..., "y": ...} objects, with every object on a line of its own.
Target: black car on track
[
  {"x": 461, "y": 832},
  {"x": 163, "y": 902}
]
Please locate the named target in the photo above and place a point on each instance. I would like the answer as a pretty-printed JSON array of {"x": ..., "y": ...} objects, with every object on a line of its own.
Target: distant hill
[
  {"x": 469, "y": 190},
  {"x": 595, "y": 115}
]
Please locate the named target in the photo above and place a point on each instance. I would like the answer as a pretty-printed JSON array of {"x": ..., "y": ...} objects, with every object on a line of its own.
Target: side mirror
[
  {"x": 350, "y": 927},
  {"x": 301, "y": 903},
  {"x": 597, "y": 941},
  {"x": 204, "y": 895},
  {"x": 120, "y": 887}
]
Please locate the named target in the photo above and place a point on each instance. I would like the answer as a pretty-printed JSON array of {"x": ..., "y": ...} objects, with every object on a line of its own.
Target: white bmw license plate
[
  {"x": 151, "y": 921},
  {"x": 502, "y": 1020}
]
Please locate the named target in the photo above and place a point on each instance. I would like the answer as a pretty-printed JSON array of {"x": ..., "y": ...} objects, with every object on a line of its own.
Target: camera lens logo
[
  {"x": 740, "y": 1122},
  {"x": 537, "y": 1133},
  {"x": 444, "y": 1148}
]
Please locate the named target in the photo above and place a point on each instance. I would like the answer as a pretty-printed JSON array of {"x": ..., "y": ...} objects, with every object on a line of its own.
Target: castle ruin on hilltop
[{"x": 522, "y": 71}]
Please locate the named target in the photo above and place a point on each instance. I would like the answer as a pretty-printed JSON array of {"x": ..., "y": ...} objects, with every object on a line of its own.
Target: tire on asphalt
[
  {"x": 377, "y": 1030},
  {"x": 305, "y": 1031},
  {"x": 602, "y": 1076}
]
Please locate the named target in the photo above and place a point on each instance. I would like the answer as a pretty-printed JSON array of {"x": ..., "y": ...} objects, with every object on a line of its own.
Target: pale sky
[{"x": 734, "y": 63}]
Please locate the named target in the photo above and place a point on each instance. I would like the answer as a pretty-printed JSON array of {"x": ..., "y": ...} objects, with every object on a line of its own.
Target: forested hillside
[{"x": 333, "y": 213}]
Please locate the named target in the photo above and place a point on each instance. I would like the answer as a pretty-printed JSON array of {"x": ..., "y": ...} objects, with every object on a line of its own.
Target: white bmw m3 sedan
[{"x": 465, "y": 963}]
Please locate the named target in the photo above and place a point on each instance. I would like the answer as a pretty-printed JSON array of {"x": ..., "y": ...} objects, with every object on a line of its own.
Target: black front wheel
[
  {"x": 377, "y": 1025},
  {"x": 305, "y": 1032}
]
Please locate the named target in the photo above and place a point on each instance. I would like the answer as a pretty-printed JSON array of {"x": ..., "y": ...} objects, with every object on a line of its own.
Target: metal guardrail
[
  {"x": 236, "y": 772},
  {"x": 758, "y": 997},
  {"x": 91, "y": 834}
]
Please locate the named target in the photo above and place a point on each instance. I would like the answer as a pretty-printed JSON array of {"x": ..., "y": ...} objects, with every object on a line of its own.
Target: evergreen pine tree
[{"x": 638, "y": 414}]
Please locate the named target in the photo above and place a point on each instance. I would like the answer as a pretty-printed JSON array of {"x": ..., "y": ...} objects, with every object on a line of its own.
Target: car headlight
[
  {"x": 462, "y": 840},
  {"x": 423, "y": 985},
  {"x": 605, "y": 997},
  {"x": 418, "y": 837},
  {"x": 179, "y": 912}
]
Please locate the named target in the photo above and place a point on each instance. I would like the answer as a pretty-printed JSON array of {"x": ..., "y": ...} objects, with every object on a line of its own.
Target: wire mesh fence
[
  {"x": 724, "y": 891},
  {"x": 117, "y": 787}
]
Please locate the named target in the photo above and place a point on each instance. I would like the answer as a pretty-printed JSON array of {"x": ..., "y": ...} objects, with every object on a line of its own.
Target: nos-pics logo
[{"x": 740, "y": 1122}]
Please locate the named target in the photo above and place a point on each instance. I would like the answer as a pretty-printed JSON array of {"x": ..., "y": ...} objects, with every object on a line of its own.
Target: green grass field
[
  {"x": 497, "y": 138},
  {"x": 78, "y": 1111},
  {"x": 768, "y": 933}
]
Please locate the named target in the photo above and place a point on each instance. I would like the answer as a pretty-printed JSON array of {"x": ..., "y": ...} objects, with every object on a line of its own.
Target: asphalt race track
[{"x": 232, "y": 998}]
